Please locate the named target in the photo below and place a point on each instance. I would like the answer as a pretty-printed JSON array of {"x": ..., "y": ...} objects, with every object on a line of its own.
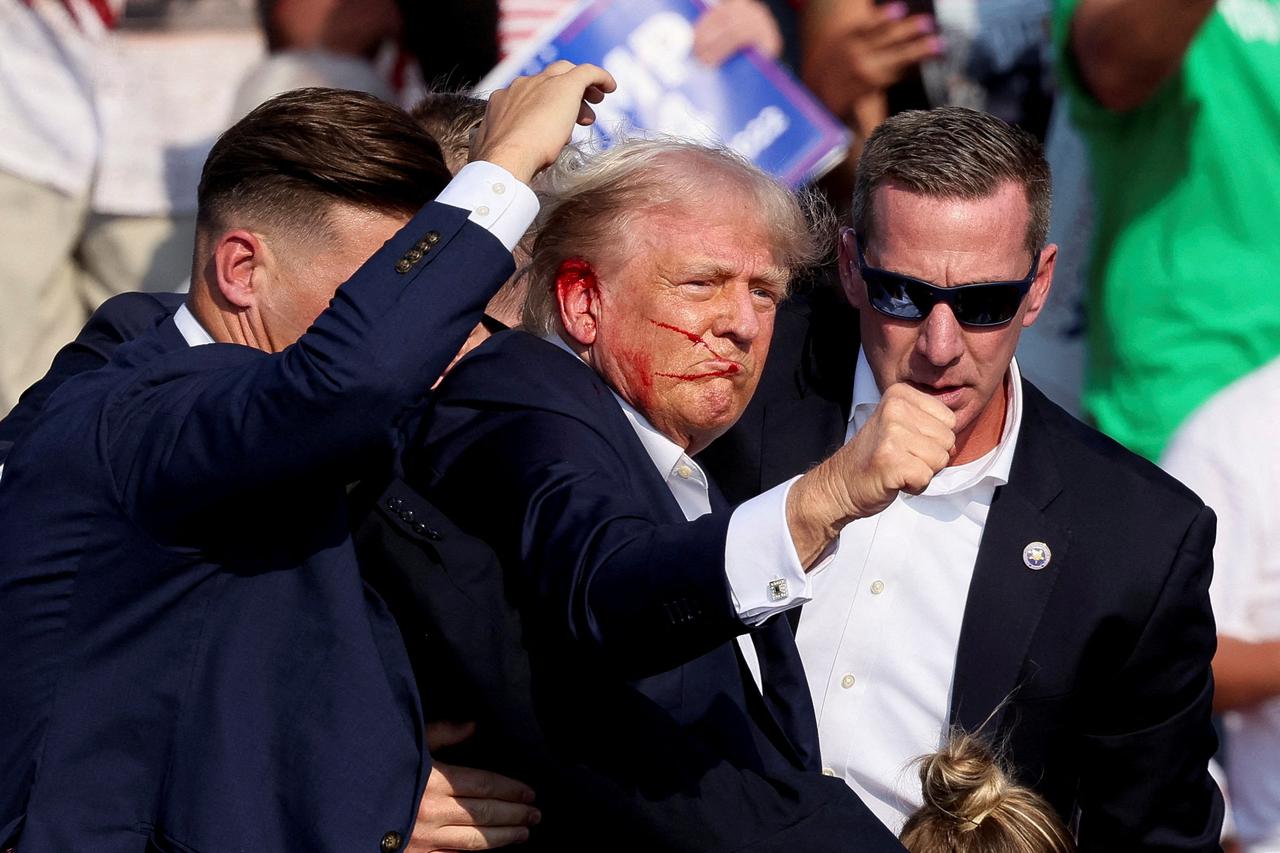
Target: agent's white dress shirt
[{"x": 879, "y": 638}]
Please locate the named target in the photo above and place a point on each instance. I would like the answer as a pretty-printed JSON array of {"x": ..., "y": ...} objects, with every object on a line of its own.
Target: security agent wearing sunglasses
[{"x": 1047, "y": 587}]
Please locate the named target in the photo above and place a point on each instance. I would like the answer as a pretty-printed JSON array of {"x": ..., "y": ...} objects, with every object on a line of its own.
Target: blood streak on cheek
[
  {"x": 690, "y": 377},
  {"x": 695, "y": 339},
  {"x": 639, "y": 374}
]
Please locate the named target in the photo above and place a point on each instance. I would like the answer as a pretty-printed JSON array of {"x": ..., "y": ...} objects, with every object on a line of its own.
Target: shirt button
[
  {"x": 827, "y": 771},
  {"x": 847, "y": 681},
  {"x": 684, "y": 472},
  {"x": 391, "y": 841},
  {"x": 482, "y": 210},
  {"x": 499, "y": 189},
  {"x": 877, "y": 587}
]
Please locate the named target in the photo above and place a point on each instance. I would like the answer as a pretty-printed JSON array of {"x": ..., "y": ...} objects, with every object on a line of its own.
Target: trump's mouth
[{"x": 714, "y": 369}]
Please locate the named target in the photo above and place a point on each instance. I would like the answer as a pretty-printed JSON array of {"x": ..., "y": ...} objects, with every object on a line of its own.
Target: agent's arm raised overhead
[{"x": 337, "y": 380}]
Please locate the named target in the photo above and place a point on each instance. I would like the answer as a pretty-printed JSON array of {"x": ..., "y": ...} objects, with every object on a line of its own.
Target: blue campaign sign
[{"x": 750, "y": 103}]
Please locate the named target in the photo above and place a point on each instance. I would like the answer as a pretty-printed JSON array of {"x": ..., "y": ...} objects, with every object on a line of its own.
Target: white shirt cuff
[
  {"x": 760, "y": 560},
  {"x": 500, "y": 204}
]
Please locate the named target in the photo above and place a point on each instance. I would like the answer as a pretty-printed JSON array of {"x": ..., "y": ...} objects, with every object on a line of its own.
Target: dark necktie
[{"x": 784, "y": 688}]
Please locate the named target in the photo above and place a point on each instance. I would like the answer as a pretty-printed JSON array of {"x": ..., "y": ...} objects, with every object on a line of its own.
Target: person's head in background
[
  {"x": 452, "y": 118},
  {"x": 352, "y": 27},
  {"x": 973, "y": 805}
]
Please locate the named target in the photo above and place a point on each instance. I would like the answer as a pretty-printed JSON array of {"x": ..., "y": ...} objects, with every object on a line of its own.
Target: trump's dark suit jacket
[
  {"x": 1104, "y": 654},
  {"x": 191, "y": 659},
  {"x": 626, "y": 612}
]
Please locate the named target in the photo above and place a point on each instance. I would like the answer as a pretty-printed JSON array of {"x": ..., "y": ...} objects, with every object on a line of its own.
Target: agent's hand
[
  {"x": 732, "y": 25},
  {"x": 906, "y": 441},
  {"x": 527, "y": 124},
  {"x": 468, "y": 809}
]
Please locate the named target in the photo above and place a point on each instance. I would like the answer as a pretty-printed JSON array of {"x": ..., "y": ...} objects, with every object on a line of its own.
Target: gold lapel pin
[{"x": 1036, "y": 556}]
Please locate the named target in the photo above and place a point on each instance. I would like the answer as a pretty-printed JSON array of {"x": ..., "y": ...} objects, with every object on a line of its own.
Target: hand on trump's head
[{"x": 528, "y": 123}]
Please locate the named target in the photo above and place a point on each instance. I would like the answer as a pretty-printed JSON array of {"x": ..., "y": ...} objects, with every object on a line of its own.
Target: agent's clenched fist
[
  {"x": 527, "y": 124},
  {"x": 906, "y": 441}
]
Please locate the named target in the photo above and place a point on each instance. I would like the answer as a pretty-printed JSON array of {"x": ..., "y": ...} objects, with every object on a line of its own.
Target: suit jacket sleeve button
[
  {"x": 403, "y": 266},
  {"x": 391, "y": 842},
  {"x": 431, "y": 238}
]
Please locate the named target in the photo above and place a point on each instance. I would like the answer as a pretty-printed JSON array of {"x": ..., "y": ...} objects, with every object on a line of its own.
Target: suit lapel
[{"x": 1006, "y": 597}]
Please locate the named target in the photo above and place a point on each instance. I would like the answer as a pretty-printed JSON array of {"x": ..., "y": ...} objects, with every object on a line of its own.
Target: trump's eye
[
  {"x": 766, "y": 296},
  {"x": 697, "y": 287}
]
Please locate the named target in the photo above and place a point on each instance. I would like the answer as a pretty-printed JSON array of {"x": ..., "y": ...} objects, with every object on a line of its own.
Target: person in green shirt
[{"x": 1179, "y": 104}]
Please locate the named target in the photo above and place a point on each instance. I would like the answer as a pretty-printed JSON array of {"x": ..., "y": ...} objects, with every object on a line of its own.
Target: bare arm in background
[
  {"x": 1245, "y": 673},
  {"x": 1125, "y": 49}
]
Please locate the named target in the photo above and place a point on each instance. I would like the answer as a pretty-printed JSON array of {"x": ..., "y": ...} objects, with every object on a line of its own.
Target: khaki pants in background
[{"x": 59, "y": 261}]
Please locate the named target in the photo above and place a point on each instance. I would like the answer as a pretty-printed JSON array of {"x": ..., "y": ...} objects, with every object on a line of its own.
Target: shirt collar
[
  {"x": 666, "y": 455},
  {"x": 192, "y": 332},
  {"x": 992, "y": 467}
]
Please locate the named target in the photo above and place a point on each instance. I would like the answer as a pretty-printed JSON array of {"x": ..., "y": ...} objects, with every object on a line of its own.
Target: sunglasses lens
[
  {"x": 894, "y": 296},
  {"x": 988, "y": 305}
]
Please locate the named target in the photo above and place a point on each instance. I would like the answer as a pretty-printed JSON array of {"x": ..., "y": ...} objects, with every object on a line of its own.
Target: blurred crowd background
[{"x": 1161, "y": 119}]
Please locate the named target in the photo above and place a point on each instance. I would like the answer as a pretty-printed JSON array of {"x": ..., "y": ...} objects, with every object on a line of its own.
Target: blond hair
[
  {"x": 590, "y": 200},
  {"x": 973, "y": 805}
]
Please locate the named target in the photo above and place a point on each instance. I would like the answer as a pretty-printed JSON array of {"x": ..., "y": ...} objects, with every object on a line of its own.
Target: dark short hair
[
  {"x": 450, "y": 118},
  {"x": 953, "y": 152},
  {"x": 289, "y": 161}
]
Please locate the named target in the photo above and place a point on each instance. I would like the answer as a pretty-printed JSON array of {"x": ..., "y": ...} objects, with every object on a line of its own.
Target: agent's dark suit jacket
[
  {"x": 1105, "y": 652},
  {"x": 626, "y": 611},
  {"x": 121, "y": 318},
  {"x": 191, "y": 659}
]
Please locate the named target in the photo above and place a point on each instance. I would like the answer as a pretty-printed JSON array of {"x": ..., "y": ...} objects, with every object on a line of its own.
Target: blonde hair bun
[{"x": 972, "y": 803}]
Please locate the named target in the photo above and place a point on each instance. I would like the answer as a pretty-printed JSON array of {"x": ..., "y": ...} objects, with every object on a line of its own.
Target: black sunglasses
[{"x": 905, "y": 298}]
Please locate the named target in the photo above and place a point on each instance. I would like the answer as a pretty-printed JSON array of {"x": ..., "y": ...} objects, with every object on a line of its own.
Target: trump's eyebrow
[{"x": 772, "y": 276}]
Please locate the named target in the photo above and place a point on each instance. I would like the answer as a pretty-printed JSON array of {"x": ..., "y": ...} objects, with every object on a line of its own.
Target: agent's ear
[
  {"x": 850, "y": 282},
  {"x": 578, "y": 294},
  {"x": 238, "y": 257},
  {"x": 1039, "y": 293}
]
